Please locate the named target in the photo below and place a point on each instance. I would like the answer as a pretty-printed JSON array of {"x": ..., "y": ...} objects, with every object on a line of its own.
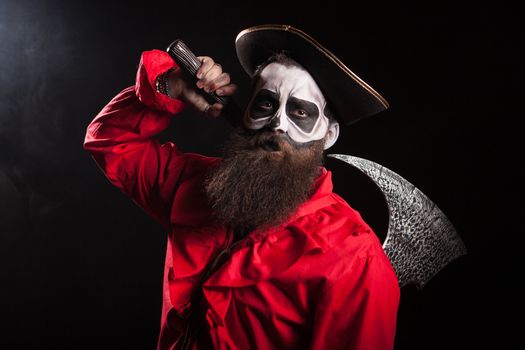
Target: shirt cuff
[{"x": 152, "y": 64}]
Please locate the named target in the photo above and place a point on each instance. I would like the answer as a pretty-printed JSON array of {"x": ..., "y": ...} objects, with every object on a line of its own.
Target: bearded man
[{"x": 261, "y": 254}]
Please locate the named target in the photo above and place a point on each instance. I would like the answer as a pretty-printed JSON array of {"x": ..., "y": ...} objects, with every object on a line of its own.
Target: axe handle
[
  {"x": 187, "y": 60},
  {"x": 189, "y": 63}
]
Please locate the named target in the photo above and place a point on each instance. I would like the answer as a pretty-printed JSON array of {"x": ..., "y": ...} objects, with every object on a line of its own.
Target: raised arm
[{"x": 122, "y": 141}]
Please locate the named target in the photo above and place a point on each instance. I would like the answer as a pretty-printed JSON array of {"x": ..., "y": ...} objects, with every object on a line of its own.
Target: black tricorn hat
[{"x": 351, "y": 99}]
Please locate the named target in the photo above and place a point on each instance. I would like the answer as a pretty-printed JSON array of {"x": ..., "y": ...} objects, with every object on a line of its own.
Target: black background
[{"x": 81, "y": 266}]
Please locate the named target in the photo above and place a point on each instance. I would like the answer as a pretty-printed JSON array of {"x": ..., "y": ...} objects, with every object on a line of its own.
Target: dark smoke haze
[{"x": 35, "y": 79}]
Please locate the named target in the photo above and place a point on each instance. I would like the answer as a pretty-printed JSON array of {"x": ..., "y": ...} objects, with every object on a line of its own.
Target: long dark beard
[{"x": 262, "y": 179}]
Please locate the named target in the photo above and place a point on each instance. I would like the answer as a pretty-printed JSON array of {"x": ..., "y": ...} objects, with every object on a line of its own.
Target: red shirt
[{"x": 321, "y": 280}]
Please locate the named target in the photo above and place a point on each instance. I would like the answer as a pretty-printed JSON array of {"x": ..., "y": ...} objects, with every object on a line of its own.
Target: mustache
[{"x": 270, "y": 140}]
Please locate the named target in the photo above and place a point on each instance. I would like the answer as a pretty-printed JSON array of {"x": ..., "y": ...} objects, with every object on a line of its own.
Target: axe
[{"x": 420, "y": 240}]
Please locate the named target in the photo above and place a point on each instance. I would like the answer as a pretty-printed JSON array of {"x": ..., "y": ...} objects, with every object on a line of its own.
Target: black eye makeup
[
  {"x": 303, "y": 113},
  {"x": 265, "y": 104}
]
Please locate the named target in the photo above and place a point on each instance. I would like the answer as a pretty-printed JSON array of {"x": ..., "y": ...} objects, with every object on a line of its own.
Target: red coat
[{"x": 319, "y": 281}]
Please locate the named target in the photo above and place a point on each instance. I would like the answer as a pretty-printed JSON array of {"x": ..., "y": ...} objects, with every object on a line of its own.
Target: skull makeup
[{"x": 288, "y": 100}]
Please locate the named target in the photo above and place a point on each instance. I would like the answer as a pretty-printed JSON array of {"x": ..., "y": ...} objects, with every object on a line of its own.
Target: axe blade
[{"x": 420, "y": 240}]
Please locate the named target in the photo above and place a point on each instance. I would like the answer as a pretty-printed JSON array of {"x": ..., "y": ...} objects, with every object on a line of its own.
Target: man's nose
[{"x": 279, "y": 122}]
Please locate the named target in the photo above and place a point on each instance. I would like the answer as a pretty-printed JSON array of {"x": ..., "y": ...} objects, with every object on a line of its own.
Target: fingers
[
  {"x": 206, "y": 64},
  {"x": 208, "y": 71},
  {"x": 215, "y": 74},
  {"x": 200, "y": 103},
  {"x": 220, "y": 81},
  {"x": 195, "y": 99},
  {"x": 210, "y": 75},
  {"x": 215, "y": 110},
  {"x": 227, "y": 90}
]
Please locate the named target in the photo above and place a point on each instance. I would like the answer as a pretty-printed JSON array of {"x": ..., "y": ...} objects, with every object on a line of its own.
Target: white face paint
[{"x": 287, "y": 99}]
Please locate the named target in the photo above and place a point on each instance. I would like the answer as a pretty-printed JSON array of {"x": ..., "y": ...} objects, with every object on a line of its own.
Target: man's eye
[
  {"x": 265, "y": 105},
  {"x": 299, "y": 113}
]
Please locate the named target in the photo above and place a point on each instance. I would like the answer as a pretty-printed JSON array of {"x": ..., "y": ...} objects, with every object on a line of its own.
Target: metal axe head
[{"x": 420, "y": 240}]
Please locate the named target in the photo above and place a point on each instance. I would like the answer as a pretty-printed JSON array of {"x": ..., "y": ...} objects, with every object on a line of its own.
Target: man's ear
[{"x": 331, "y": 135}]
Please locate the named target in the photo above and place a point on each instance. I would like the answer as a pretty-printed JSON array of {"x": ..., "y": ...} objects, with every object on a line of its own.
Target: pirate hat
[{"x": 350, "y": 97}]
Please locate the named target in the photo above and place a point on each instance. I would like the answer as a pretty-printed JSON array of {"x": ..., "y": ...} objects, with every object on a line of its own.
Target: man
[{"x": 261, "y": 253}]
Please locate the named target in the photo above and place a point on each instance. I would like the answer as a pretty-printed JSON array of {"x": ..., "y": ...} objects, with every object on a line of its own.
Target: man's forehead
[
  {"x": 277, "y": 76},
  {"x": 277, "y": 70}
]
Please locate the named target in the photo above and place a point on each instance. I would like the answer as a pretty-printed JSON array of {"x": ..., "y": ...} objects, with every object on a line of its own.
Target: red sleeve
[
  {"x": 120, "y": 139},
  {"x": 359, "y": 310}
]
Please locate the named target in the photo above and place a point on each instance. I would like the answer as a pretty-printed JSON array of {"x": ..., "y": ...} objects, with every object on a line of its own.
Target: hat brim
[{"x": 351, "y": 99}]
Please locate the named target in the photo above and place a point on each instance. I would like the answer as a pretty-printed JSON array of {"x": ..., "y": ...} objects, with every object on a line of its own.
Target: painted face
[{"x": 288, "y": 100}]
